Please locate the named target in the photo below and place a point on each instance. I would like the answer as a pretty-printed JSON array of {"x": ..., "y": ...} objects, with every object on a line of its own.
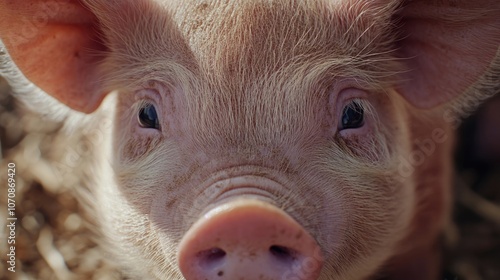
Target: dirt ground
[{"x": 53, "y": 241}]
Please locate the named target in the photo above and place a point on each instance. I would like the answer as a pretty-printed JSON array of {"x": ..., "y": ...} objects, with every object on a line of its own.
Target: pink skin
[
  {"x": 248, "y": 239},
  {"x": 250, "y": 152}
]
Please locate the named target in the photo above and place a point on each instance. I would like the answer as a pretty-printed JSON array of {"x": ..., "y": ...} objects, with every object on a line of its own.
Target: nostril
[
  {"x": 248, "y": 239},
  {"x": 283, "y": 253},
  {"x": 211, "y": 257}
]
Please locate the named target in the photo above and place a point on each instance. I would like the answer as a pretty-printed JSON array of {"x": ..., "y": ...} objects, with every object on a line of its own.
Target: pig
[{"x": 258, "y": 139}]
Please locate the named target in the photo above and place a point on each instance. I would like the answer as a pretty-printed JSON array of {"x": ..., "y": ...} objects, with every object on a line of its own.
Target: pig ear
[
  {"x": 447, "y": 46},
  {"x": 55, "y": 43}
]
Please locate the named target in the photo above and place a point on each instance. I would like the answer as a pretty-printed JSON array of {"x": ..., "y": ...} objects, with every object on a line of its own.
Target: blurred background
[{"x": 53, "y": 239}]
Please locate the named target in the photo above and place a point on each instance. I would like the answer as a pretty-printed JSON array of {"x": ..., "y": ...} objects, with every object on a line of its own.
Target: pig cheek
[
  {"x": 379, "y": 206},
  {"x": 377, "y": 219},
  {"x": 343, "y": 218},
  {"x": 133, "y": 160},
  {"x": 168, "y": 223},
  {"x": 147, "y": 162}
]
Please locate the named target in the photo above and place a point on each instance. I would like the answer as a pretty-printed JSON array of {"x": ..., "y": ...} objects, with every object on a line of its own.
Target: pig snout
[{"x": 248, "y": 239}]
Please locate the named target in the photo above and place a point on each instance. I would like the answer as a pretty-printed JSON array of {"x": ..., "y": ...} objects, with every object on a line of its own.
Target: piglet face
[
  {"x": 307, "y": 135},
  {"x": 263, "y": 139}
]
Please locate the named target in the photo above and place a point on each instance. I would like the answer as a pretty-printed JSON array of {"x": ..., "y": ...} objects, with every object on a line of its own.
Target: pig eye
[
  {"x": 352, "y": 116},
  {"x": 148, "y": 118}
]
